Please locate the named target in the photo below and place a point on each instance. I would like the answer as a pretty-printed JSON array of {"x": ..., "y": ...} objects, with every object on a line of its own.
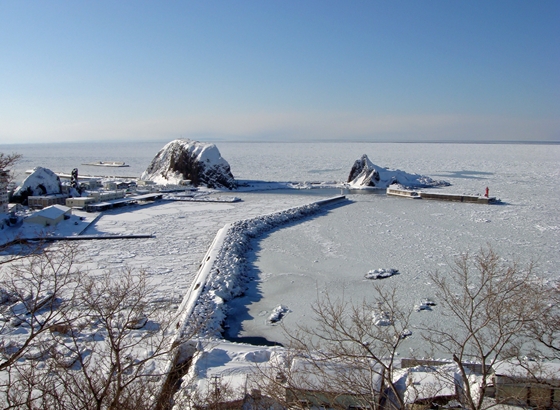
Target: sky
[{"x": 290, "y": 70}]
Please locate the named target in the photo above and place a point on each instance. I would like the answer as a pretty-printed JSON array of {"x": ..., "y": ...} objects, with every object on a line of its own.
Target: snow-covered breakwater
[
  {"x": 221, "y": 277},
  {"x": 223, "y": 272}
]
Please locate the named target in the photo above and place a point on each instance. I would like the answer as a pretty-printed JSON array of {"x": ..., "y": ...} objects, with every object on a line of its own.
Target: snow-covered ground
[
  {"x": 182, "y": 231},
  {"x": 292, "y": 266},
  {"x": 373, "y": 232}
]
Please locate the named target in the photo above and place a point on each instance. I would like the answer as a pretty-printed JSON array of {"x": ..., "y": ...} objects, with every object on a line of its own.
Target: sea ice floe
[
  {"x": 278, "y": 314},
  {"x": 405, "y": 333},
  {"x": 381, "y": 273},
  {"x": 425, "y": 304},
  {"x": 159, "y": 271},
  {"x": 381, "y": 318}
]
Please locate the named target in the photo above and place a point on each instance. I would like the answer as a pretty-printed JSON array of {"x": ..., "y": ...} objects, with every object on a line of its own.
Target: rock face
[
  {"x": 366, "y": 174},
  {"x": 41, "y": 181},
  {"x": 184, "y": 159}
]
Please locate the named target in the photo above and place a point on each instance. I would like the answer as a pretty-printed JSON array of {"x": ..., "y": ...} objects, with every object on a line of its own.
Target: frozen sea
[{"x": 294, "y": 266}]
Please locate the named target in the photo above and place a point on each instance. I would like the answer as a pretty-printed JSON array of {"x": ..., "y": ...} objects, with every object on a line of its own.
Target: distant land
[{"x": 314, "y": 141}]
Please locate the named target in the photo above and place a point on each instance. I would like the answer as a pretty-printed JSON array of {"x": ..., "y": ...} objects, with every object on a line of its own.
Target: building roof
[
  {"x": 425, "y": 383},
  {"x": 528, "y": 371},
  {"x": 49, "y": 196},
  {"x": 335, "y": 377},
  {"x": 52, "y": 212}
]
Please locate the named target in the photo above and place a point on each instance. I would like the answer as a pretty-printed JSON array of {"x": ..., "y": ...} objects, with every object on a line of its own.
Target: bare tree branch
[
  {"x": 486, "y": 305},
  {"x": 8, "y": 160}
]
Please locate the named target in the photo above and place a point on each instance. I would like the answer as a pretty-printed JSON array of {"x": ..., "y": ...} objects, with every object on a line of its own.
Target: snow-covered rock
[
  {"x": 364, "y": 174},
  {"x": 184, "y": 159},
  {"x": 41, "y": 181}
]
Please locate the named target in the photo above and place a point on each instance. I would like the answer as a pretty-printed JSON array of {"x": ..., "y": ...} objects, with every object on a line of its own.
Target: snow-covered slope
[
  {"x": 364, "y": 174},
  {"x": 41, "y": 181},
  {"x": 184, "y": 159}
]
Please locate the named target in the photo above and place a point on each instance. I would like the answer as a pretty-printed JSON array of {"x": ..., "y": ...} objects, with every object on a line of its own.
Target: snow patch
[
  {"x": 381, "y": 318},
  {"x": 425, "y": 304}
]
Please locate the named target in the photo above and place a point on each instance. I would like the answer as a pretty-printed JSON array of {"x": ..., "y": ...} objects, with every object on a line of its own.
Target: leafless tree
[
  {"x": 37, "y": 294},
  {"x": 117, "y": 356},
  {"x": 534, "y": 362},
  {"x": 545, "y": 330},
  {"x": 347, "y": 358},
  {"x": 8, "y": 160},
  {"x": 215, "y": 395},
  {"x": 486, "y": 305},
  {"x": 488, "y": 308},
  {"x": 91, "y": 342}
]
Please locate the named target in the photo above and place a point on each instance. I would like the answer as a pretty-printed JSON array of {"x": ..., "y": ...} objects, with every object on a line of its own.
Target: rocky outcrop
[
  {"x": 198, "y": 162},
  {"x": 365, "y": 174},
  {"x": 41, "y": 181}
]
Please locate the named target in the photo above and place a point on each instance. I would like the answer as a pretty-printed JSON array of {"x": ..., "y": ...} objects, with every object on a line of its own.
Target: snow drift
[
  {"x": 365, "y": 174},
  {"x": 184, "y": 159}
]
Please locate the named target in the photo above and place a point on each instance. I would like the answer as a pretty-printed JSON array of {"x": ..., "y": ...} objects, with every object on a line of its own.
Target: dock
[
  {"x": 129, "y": 200},
  {"x": 95, "y": 237},
  {"x": 473, "y": 199}
]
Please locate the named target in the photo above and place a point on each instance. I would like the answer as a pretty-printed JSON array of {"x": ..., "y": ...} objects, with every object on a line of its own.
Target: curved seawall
[{"x": 222, "y": 276}]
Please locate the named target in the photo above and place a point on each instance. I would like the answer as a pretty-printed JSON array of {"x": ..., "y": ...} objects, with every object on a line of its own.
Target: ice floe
[{"x": 381, "y": 273}]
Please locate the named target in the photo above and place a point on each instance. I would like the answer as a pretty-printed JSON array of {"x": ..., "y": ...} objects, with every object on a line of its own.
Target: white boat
[{"x": 107, "y": 164}]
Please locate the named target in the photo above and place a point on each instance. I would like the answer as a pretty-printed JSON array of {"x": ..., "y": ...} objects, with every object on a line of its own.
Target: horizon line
[{"x": 307, "y": 141}]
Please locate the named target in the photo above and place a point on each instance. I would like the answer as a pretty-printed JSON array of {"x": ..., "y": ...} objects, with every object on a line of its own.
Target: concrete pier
[
  {"x": 91, "y": 237},
  {"x": 438, "y": 196}
]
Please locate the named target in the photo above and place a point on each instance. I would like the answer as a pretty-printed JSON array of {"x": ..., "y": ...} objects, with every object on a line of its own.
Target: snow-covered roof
[
  {"x": 52, "y": 212},
  {"x": 334, "y": 377},
  {"x": 235, "y": 364},
  {"x": 534, "y": 370},
  {"x": 429, "y": 383}
]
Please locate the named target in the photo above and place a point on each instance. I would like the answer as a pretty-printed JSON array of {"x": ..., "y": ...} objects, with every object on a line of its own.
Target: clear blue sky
[{"x": 279, "y": 70}]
